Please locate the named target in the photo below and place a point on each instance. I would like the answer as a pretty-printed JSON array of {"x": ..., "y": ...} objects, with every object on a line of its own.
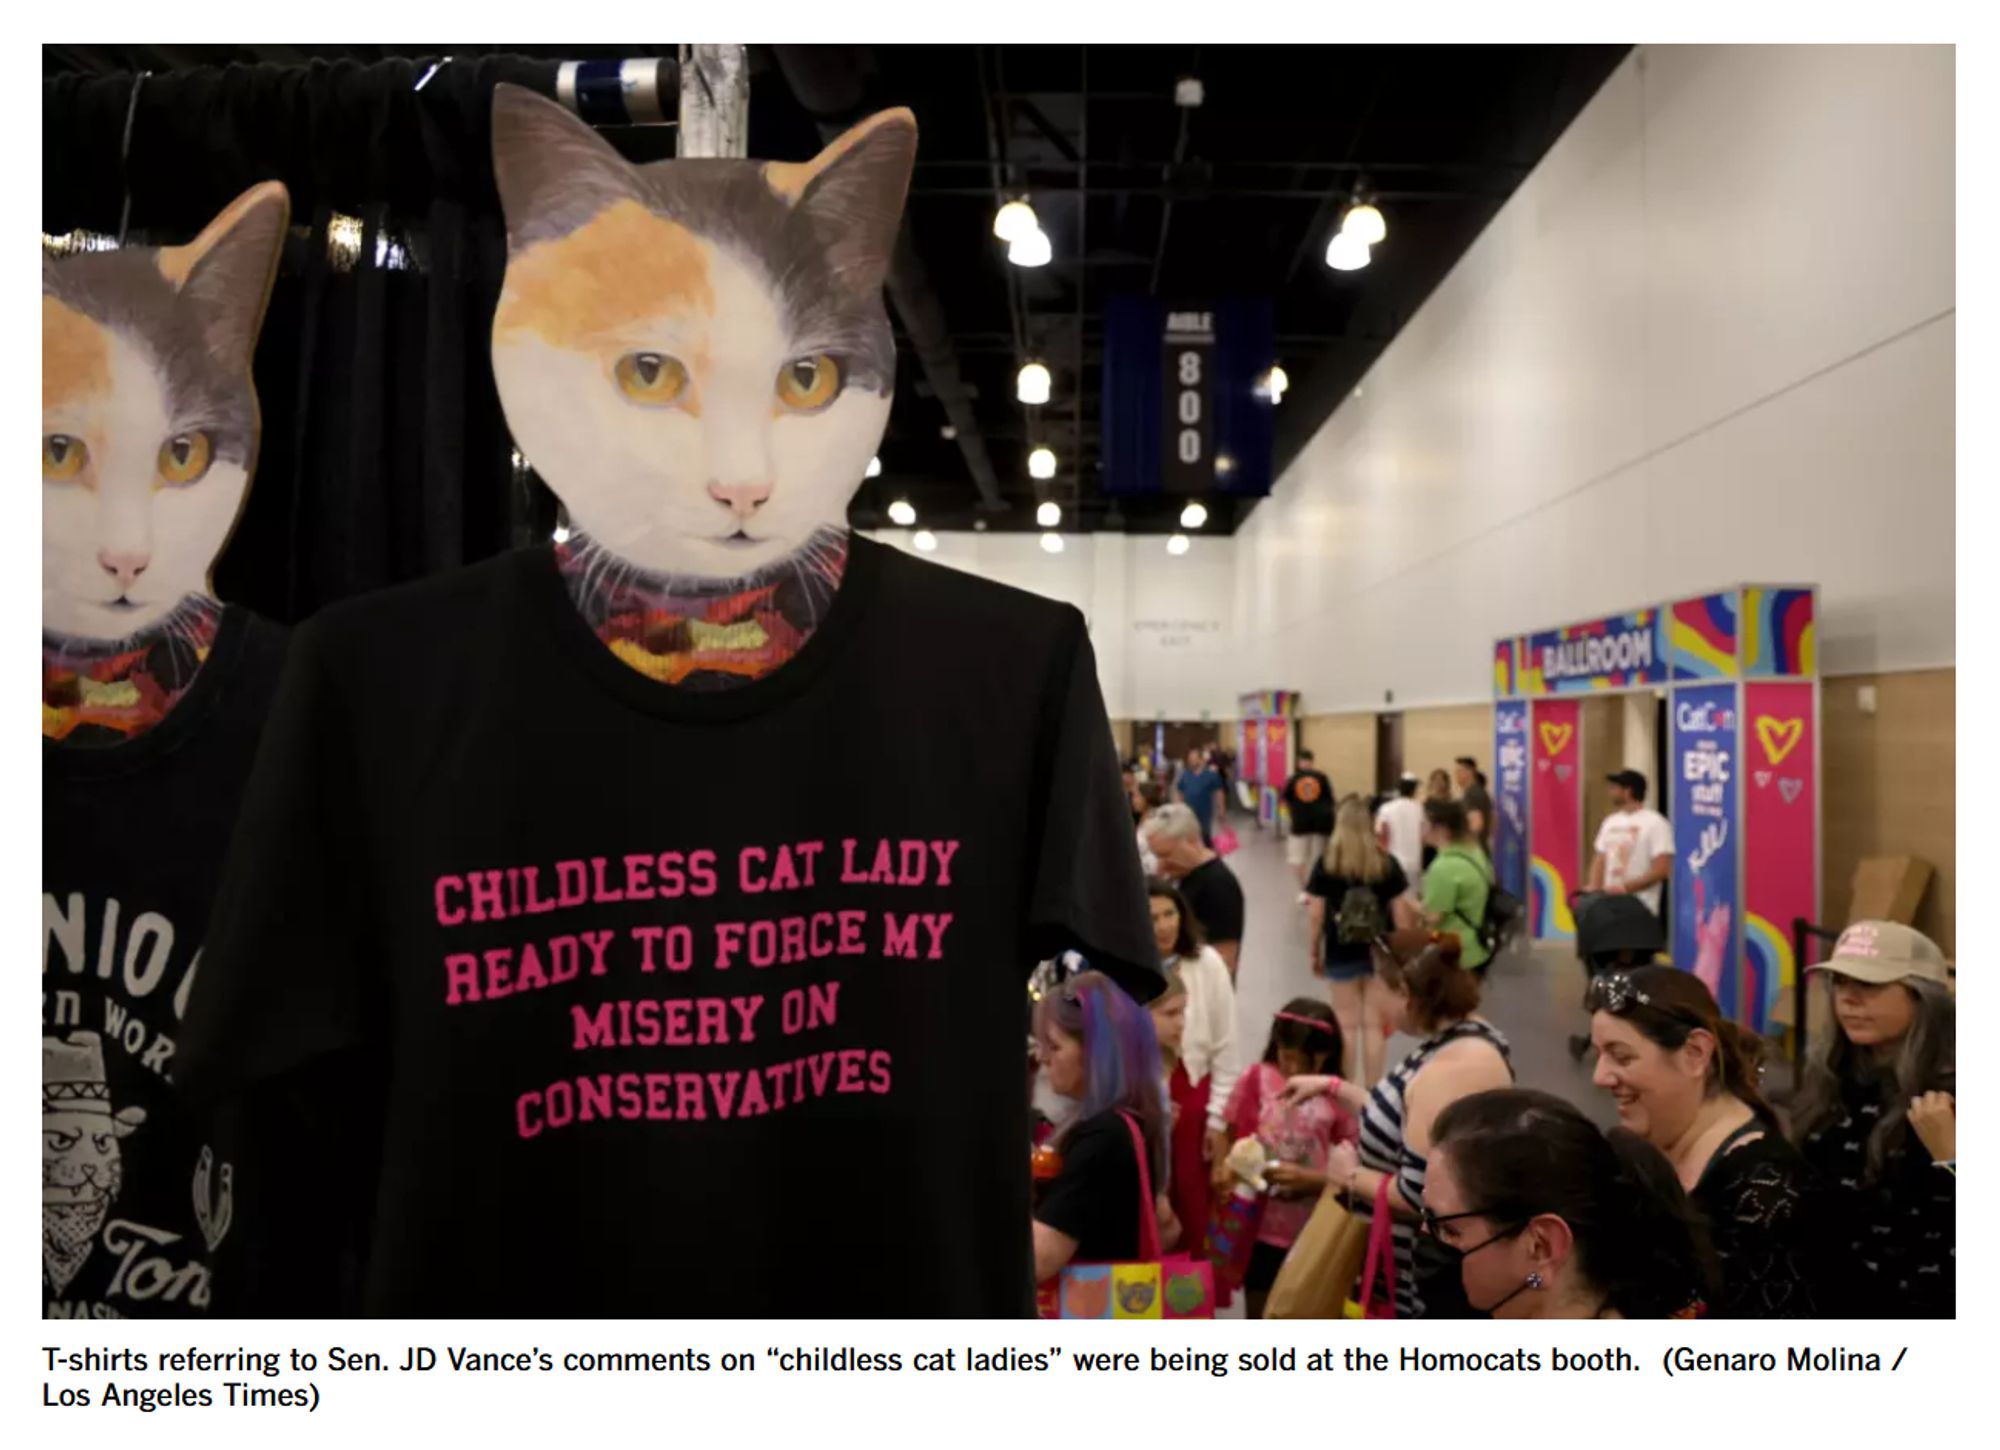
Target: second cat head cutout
[{"x": 695, "y": 353}]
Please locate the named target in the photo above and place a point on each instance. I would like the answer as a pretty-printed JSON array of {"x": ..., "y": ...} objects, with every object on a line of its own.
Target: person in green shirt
[{"x": 1458, "y": 882}]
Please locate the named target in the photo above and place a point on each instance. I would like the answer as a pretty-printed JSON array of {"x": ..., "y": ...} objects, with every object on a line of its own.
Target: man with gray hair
[{"x": 1209, "y": 886}]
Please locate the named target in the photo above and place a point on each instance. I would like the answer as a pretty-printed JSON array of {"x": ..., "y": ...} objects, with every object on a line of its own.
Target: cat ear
[
  {"x": 225, "y": 274},
  {"x": 851, "y": 195},
  {"x": 553, "y": 171}
]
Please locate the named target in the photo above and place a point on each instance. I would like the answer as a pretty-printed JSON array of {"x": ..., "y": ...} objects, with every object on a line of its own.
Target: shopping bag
[
  {"x": 1378, "y": 1268},
  {"x": 1157, "y": 1286},
  {"x": 1225, "y": 840},
  {"x": 1232, "y": 1236},
  {"x": 1319, "y": 1272}
]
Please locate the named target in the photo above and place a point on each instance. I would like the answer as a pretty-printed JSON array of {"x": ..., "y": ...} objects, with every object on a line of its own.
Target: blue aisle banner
[
  {"x": 1510, "y": 797},
  {"x": 1184, "y": 408},
  {"x": 1705, "y": 755}
]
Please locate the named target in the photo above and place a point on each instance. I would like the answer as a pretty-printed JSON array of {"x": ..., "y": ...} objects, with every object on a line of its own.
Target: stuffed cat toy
[
  {"x": 149, "y": 438},
  {"x": 1247, "y": 1160},
  {"x": 695, "y": 355}
]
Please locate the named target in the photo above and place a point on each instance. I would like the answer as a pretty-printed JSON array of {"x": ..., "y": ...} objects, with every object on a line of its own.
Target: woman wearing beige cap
[{"x": 1875, "y": 1115}]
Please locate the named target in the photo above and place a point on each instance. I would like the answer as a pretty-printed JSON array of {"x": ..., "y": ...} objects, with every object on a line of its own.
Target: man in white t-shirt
[
  {"x": 1635, "y": 846},
  {"x": 1399, "y": 826}
]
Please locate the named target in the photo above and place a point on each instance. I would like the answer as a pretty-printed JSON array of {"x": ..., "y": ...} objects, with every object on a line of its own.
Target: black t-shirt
[
  {"x": 1893, "y": 1238},
  {"x": 1216, "y": 898},
  {"x": 1309, "y": 796},
  {"x": 1477, "y": 799},
  {"x": 1096, "y": 1197},
  {"x": 672, "y": 998},
  {"x": 1335, "y": 888},
  {"x": 136, "y": 1192}
]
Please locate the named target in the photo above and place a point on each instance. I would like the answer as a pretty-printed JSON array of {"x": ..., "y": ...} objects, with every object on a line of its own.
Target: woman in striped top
[{"x": 1428, "y": 995}]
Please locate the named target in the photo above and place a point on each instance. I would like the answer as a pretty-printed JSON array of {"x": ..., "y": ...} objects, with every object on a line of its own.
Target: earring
[{"x": 1534, "y": 1281}]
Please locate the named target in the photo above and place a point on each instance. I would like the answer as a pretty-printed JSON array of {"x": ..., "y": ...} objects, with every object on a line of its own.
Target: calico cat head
[
  {"x": 149, "y": 418},
  {"x": 695, "y": 353}
]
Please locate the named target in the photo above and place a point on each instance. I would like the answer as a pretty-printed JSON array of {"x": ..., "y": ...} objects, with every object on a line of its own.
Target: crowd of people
[{"x": 1707, "y": 1198}]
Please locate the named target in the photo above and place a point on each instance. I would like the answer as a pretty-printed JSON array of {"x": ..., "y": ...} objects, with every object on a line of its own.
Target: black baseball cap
[{"x": 1631, "y": 780}]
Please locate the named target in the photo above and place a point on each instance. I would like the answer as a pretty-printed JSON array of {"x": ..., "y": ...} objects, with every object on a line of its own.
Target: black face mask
[{"x": 1456, "y": 1257}]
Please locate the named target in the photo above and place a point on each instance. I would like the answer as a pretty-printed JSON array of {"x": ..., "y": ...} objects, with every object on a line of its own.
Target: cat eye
[
  {"x": 63, "y": 457},
  {"x": 808, "y": 384},
  {"x": 184, "y": 458},
  {"x": 651, "y": 378}
]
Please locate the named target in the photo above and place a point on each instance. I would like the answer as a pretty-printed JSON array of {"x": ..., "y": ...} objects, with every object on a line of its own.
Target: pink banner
[
  {"x": 1250, "y": 758},
  {"x": 1780, "y": 829},
  {"x": 1555, "y": 842}
]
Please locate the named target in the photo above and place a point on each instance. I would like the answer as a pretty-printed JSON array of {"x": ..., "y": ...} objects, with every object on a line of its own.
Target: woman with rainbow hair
[{"x": 1100, "y": 1051}]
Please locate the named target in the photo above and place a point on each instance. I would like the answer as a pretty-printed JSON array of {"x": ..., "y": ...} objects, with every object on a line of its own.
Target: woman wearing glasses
[
  {"x": 1550, "y": 1218},
  {"x": 1428, "y": 994},
  {"x": 1876, "y": 1116},
  {"x": 1685, "y": 1080}
]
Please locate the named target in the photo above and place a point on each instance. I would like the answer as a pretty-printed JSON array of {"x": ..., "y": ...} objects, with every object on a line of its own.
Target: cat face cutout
[
  {"x": 149, "y": 416},
  {"x": 695, "y": 353}
]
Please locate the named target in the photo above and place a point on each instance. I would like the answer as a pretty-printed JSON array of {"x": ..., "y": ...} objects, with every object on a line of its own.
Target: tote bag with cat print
[{"x": 1154, "y": 1287}]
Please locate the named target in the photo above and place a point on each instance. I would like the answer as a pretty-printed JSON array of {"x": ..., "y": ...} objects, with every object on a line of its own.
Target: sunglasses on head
[{"x": 1618, "y": 994}]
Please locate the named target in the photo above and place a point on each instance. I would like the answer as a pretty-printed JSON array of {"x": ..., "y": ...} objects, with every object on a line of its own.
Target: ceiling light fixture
[
  {"x": 1346, "y": 253},
  {"x": 926, "y": 541},
  {"x": 1178, "y": 544},
  {"x": 1052, "y": 543},
  {"x": 875, "y": 467},
  {"x": 902, "y": 513},
  {"x": 1042, "y": 463},
  {"x": 1032, "y": 384},
  {"x": 1274, "y": 384},
  {"x": 1194, "y": 515},
  {"x": 1033, "y": 250},
  {"x": 1015, "y": 220},
  {"x": 1364, "y": 222},
  {"x": 1049, "y": 514}
]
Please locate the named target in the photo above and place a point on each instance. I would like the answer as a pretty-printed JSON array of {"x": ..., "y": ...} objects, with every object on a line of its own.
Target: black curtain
[{"x": 385, "y": 455}]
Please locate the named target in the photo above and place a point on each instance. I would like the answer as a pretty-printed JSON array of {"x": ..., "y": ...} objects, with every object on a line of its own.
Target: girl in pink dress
[{"x": 1305, "y": 1038}]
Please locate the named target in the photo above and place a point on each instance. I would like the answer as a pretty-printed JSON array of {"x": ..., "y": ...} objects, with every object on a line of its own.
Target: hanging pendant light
[
  {"x": 1346, "y": 254},
  {"x": 1365, "y": 223},
  {"x": 1033, "y": 250},
  {"x": 1032, "y": 385},
  {"x": 1015, "y": 220}
]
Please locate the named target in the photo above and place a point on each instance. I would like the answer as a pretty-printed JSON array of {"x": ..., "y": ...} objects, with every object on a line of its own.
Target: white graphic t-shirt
[{"x": 1629, "y": 841}]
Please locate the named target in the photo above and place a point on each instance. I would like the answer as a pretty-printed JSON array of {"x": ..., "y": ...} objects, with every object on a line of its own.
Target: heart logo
[
  {"x": 1555, "y": 737},
  {"x": 1790, "y": 787},
  {"x": 1763, "y": 779},
  {"x": 1563, "y": 772},
  {"x": 1780, "y": 737}
]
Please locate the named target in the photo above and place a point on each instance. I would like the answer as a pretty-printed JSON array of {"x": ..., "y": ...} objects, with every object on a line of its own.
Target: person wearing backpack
[
  {"x": 1459, "y": 884},
  {"x": 1357, "y": 893}
]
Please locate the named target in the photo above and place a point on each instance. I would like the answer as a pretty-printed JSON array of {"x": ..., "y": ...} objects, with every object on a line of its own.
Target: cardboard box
[{"x": 1889, "y": 888}]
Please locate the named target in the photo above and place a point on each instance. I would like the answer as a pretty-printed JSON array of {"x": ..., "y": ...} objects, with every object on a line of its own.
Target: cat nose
[
  {"x": 123, "y": 567},
  {"x": 741, "y": 499}
]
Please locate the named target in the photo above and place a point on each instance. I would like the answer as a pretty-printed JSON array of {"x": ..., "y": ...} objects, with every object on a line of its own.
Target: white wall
[
  {"x": 1709, "y": 340},
  {"x": 1162, "y": 627}
]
